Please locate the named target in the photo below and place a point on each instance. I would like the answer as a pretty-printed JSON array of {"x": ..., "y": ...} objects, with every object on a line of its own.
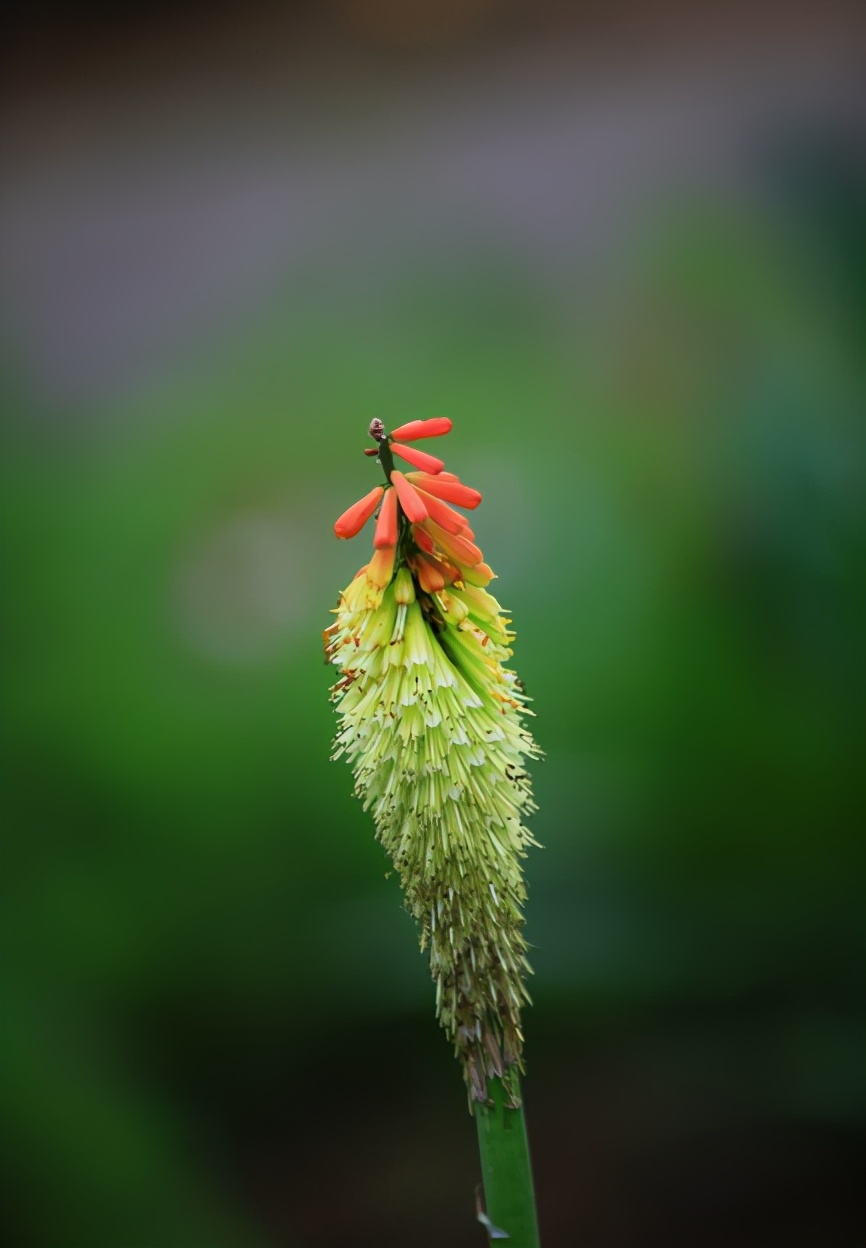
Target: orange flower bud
[
  {"x": 430, "y": 576},
  {"x": 409, "y": 498},
  {"x": 419, "y": 459},
  {"x": 450, "y": 521},
  {"x": 450, "y": 491},
  {"x": 434, "y": 428},
  {"x": 354, "y": 519},
  {"x": 386, "y": 525}
]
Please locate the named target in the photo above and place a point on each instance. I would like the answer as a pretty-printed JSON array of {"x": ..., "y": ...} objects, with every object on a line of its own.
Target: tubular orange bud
[
  {"x": 418, "y": 459},
  {"x": 386, "y": 525},
  {"x": 430, "y": 577},
  {"x": 354, "y": 519},
  {"x": 434, "y": 428},
  {"x": 450, "y": 521},
  {"x": 450, "y": 491},
  {"x": 410, "y": 499}
]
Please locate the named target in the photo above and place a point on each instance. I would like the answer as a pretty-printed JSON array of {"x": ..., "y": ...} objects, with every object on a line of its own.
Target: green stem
[
  {"x": 386, "y": 458},
  {"x": 505, "y": 1165}
]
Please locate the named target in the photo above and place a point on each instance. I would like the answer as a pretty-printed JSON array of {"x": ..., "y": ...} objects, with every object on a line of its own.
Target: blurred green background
[{"x": 625, "y": 255}]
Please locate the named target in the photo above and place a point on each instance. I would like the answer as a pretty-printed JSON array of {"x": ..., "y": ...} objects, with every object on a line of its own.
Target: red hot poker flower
[
  {"x": 415, "y": 429},
  {"x": 431, "y": 722}
]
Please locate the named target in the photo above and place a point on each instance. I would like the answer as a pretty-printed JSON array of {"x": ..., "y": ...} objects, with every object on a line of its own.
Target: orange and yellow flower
[{"x": 431, "y": 720}]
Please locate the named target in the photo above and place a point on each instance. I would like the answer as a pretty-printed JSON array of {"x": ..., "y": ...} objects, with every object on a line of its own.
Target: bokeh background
[{"x": 622, "y": 247}]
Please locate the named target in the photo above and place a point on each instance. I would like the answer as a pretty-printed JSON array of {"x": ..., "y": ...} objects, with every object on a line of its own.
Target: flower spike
[{"x": 433, "y": 724}]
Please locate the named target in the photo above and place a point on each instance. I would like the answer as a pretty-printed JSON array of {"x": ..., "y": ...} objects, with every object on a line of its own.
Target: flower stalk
[
  {"x": 504, "y": 1149},
  {"x": 432, "y": 722}
]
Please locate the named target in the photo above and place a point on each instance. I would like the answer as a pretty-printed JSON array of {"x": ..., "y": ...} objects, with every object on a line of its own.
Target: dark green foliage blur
[{"x": 217, "y": 1028}]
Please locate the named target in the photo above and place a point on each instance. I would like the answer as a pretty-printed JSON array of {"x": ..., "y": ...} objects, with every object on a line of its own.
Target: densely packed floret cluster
[{"x": 432, "y": 723}]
